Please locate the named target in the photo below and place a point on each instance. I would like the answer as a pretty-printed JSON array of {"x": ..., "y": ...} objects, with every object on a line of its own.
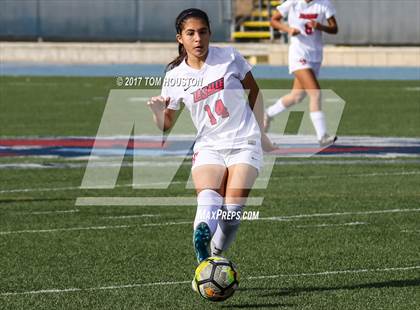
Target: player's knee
[
  {"x": 315, "y": 94},
  {"x": 298, "y": 97}
]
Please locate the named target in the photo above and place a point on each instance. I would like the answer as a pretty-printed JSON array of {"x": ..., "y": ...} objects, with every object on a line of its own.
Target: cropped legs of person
[
  {"x": 240, "y": 179},
  {"x": 217, "y": 188},
  {"x": 305, "y": 83}
]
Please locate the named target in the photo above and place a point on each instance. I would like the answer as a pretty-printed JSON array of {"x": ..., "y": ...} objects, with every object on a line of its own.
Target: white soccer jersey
[
  {"x": 308, "y": 45},
  {"x": 216, "y": 100}
]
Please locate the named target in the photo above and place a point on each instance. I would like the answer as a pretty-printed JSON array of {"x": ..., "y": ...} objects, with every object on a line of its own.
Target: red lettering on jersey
[
  {"x": 194, "y": 157},
  {"x": 210, "y": 89},
  {"x": 308, "y": 16}
]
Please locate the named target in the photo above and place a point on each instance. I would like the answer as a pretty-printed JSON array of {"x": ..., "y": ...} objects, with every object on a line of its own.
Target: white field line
[
  {"x": 412, "y": 88},
  {"x": 333, "y": 100},
  {"x": 369, "y": 140},
  {"x": 291, "y": 217},
  {"x": 47, "y": 212},
  {"x": 410, "y": 231},
  {"x": 93, "y": 164},
  {"x": 33, "y": 231},
  {"x": 167, "y": 224},
  {"x": 150, "y": 201},
  {"x": 41, "y": 189},
  {"x": 278, "y": 218},
  {"x": 138, "y": 99},
  {"x": 25, "y": 166},
  {"x": 62, "y": 229},
  {"x": 70, "y": 188},
  {"x": 349, "y": 175},
  {"x": 172, "y": 164},
  {"x": 129, "y": 216},
  {"x": 281, "y": 218},
  {"x": 151, "y": 284},
  {"x": 334, "y": 272},
  {"x": 332, "y": 225}
]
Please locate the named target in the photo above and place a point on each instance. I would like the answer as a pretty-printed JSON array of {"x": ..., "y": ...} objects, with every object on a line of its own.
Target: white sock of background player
[
  {"x": 276, "y": 108},
  {"x": 318, "y": 120}
]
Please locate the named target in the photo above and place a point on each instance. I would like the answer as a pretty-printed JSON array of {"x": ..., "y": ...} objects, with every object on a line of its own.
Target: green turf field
[
  {"x": 341, "y": 233},
  {"x": 74, "y": 106}
]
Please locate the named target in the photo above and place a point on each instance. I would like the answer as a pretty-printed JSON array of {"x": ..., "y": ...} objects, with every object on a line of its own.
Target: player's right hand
[
  {"x": 293, "y": 32},
  {"x": 158, "y": 104}
]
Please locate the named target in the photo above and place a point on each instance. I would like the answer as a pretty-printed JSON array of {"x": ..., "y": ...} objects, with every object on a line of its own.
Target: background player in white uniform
[
  {"x": 306, "y": 20},
  {"x": 228, "y": 148}
]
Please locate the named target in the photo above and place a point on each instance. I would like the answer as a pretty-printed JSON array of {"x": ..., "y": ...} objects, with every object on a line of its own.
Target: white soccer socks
[
  {"x": 276, "y": 108},
  {"x": 318, "y": 120},
  {"x": 209, "y": 202},
  {"x": 222, "y": 220},
  {"x": 227, "y": 228}
]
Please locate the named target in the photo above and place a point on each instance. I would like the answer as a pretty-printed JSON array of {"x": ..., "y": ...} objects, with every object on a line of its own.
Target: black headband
[{"x": 189, "y": 13}]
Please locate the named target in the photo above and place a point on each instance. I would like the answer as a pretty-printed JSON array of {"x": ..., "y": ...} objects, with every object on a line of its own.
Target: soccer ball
[{"x": 216, "y": 278}]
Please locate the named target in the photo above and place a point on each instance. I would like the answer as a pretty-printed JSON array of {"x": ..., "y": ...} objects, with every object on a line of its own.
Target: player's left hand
[
  {"x": 266, "y": 143},
  {"x": 314, "y": 24},
  {"x": 158, "y": 104}
]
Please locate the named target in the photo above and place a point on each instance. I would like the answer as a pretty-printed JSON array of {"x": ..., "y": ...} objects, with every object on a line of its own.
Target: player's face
[{"x": 195, "y": 37}]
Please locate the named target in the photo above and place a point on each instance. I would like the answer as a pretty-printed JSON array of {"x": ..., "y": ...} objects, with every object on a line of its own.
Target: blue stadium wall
[
  {"x": 361, "y": 22},
  {"x": 377, "y": 22},
  {"x": 105, "y": 20}
]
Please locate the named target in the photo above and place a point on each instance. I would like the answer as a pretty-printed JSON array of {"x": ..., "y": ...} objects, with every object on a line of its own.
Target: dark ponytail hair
[{"x": 179, "y": 25}]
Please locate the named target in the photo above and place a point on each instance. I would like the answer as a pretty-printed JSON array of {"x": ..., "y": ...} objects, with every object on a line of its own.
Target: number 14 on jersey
[{"x": 219, "y": 108}]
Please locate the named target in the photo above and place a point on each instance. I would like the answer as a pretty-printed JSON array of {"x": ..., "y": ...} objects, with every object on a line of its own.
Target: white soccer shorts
[
  {"x": 227, "y": 158},
  {"x": 299, "y": 64}
]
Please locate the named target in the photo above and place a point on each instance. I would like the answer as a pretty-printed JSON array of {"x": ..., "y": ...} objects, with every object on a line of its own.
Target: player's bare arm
[
  {"x": 276, "y": 23},
  {"x": 255, "y": 100},
  {"x": 162, "y": 116},
  {"x": 254, "y": 97},
  {"x": 331, "y": 28}
]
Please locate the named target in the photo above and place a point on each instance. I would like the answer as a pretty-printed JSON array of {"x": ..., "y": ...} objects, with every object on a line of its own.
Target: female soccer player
[
  {"x": 306, "y": 20},
  {"x": 228, "y": 146}
]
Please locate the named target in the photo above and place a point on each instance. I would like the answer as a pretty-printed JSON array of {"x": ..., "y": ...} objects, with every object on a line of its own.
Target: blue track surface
[{"x": 259, "y": 71}]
